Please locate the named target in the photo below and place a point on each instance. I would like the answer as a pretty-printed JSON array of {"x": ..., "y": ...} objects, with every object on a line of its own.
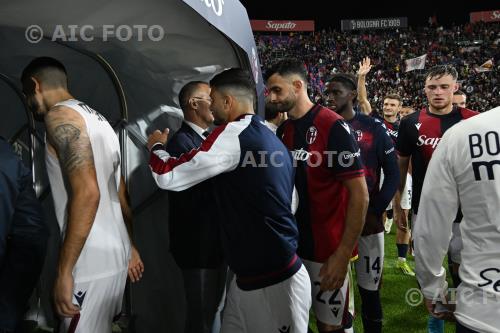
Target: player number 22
[{"x": 331, "y": 300}]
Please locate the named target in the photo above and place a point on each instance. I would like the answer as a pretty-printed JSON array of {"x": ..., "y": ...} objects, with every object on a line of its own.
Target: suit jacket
[
  {"x": 193, "y": 222},
  {"x": 23, "y": 237}
]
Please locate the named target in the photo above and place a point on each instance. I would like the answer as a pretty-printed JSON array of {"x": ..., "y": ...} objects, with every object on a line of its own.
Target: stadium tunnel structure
[{"x": 134, "y": 84}]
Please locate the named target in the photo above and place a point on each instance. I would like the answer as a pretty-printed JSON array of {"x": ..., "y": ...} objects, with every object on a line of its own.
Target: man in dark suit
[
  {"x": 23, "y": 238},
  {"x": 194, "y": 232}
]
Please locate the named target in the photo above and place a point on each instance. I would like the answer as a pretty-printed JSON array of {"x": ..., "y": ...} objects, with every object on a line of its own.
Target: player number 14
[{"x": 375, "y": 266}]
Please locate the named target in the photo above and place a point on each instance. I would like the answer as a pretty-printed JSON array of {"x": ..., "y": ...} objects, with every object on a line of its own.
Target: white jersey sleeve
[
  {"x": 219, "y": 153},
  {"x": 437, "y": 210}
]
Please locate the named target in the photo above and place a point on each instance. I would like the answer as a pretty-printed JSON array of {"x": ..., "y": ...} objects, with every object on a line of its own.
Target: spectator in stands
[{"x": 459, "y": 98}]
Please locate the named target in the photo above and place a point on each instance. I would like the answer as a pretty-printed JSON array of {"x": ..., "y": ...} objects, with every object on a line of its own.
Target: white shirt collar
[
  {"x": 196, "y": 128},
  {"x": 271, "y": 126}
]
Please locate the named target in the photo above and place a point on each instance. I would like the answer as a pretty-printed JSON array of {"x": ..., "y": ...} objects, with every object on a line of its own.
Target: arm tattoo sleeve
[{"x": 73, "y": 147}]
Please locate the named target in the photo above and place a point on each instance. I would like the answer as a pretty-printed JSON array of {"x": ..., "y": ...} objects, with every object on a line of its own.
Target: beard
[
  {"x": 283, "y": 106},
  {"x": 35, "y": 109},
  {"x": 38, "y": 117},
  {"x": 341, "y": 108},
  {"x": 218, "y": 119}
]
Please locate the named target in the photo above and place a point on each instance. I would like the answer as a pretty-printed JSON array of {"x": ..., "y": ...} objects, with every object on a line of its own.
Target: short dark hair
[
  {"x": 394, "y": 96},
  {"x": 47, "y": 70},
  {"x": 270, "y": 113},
  {"x": 187, "y": 92},
  {"x": 235, "y": 78},
  {"x": 348, "y": 80},
  {"x": 286, "y": 67},
  {"x": 459, "y": 92},
  {"x": 441, "y": 70}
]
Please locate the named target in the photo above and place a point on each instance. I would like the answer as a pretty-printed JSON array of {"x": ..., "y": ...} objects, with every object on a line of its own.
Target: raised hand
[{"x": 364, "y": 66}]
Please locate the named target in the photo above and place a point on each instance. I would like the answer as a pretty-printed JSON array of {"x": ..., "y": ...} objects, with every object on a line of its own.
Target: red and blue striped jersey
[
  {"x": 392, "y": 128},
  {"x": 419, "y": 135},
  {"x": 377, "y": 152},
  {"x": 325, "y": 153}
]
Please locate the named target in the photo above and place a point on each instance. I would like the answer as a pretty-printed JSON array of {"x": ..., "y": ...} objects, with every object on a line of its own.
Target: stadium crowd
[{"x": 329, "y": 51}]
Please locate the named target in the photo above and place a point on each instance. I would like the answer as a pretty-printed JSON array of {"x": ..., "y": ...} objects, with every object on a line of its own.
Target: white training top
[
  {"x": 295, "y": 194},
  {"x": 107, "y": 248},
  {"x": 464, "y": 170}
]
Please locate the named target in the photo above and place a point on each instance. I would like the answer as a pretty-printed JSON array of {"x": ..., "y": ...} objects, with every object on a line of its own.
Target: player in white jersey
[
  {"x": 465, "y": 170},
  {"x": 83, "y": 164}
]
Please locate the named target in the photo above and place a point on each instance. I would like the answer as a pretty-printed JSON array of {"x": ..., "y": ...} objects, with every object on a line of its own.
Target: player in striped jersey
[
  {"x": 421, "y": 132},
  {"x": 377, "y": 153},
  {"x": 332, "y": 192}
]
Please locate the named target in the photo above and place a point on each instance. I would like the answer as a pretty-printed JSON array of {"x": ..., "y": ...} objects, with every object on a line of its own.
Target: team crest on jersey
[
  {"x": 359, "y": 135},
  {"x": 311, "y": 134}
]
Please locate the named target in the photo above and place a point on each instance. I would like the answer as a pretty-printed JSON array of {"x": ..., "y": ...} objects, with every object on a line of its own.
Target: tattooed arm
[{"x": 67, "y": 135}]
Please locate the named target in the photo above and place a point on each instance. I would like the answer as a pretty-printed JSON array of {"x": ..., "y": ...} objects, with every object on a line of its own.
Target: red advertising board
[
  {"x": 278, "y": 26},
  {"x": 489, "y": 16}
]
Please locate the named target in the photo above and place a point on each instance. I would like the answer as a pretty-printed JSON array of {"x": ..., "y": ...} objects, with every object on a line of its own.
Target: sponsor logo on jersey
[
  {"x": 487, "y": 145},
  {"x": 311, "y": 134},
  {"x": 417, "y": 125},
  {"x": 392, "y": 132},
  {"x": 348, "y": 156},
  {"x": 301, "y": 155},
  {"x": 491, "y": 277},
  {"x": 423, "y": 140},
  {"x": 488, "y": 166}
]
